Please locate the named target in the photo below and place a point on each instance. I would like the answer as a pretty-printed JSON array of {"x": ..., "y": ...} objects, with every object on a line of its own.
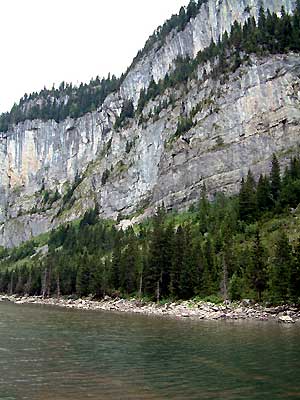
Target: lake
[{"x": 54, "y": 353}]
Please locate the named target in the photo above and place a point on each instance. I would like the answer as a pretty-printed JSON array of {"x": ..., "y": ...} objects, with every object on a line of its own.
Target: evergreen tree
[
  {"x": 83, "y": 275},
  {"x": 128, "y": 267},
  {"x": 210, "y": 250},
  {"x": 203, "y": 213},
  {"x": 209, "y": 276},
  {"x": 156, "y": 261},
  {"x": 116, "y": 265},
  {"x": 258, "y": 273},
  {"x": 247, "y": 199},
  {"x": 96, "y": 277},
  {"x": 280, "y": 272},
  {"x": 275, "y": 179},
  {"x": 235, "y": 287},
  {"x": 263, "y": 194},
  {"x": 178, "y": 260},
  {"x": 290, "y": 185},
  {"x": 295, "y": 274},
  {"x": 192, "y": 9},
  {"x": 187, "y": 278}
]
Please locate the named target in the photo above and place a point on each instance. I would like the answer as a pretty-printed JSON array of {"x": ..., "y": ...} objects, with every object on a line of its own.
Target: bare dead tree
[
  {"x": 11, "y": 285},
  {"x": 49, "y": 281},
  {"x": 58, "y": 283},
  {"x": 27, "y": 287},
  {"x": 140, "y": 285},
  {"x": 44, "y": 286}
]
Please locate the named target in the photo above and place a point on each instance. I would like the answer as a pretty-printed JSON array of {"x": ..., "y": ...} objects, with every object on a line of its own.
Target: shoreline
[{"x": 197, "y": 310}]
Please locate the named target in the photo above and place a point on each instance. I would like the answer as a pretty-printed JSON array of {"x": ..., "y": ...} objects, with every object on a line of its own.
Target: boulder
[{"x": 286, "y": 319}]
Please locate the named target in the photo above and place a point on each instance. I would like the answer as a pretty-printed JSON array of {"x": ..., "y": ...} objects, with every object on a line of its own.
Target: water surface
[{"x": 52, "y": 353}]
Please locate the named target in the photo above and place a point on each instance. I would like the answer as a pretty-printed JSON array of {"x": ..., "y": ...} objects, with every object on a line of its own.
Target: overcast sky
[{"x": 49, "y": 41}]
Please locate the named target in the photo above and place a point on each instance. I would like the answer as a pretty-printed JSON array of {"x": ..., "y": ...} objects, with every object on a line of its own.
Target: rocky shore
[{"x": 182, "y": 309}]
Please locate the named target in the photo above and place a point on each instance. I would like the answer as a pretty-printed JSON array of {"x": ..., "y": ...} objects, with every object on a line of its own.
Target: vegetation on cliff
[
  {"x": 243, "y": 246},
  {"x": 177, "y": 22},
  {"x": 246, "y": 246},
  {"x": 59, "y": 103},
  {"x": 271, "y": 34},
  {"x": 74, "y": 101}
]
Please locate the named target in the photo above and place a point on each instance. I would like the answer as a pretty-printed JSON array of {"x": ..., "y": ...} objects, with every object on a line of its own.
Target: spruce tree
[
  {"x": 178, "y": 260},
  {"x": 275, "y": 179},
  {"x": 209, "y": 278},
  {"x": 115, "y": 269},
  {"x": 128, "y": 267},
  {"x": 155, "y": 265},
  {"x": 167, "y": 259},
  {"x": 203, "y": 213},
  {"x": 295, "y": 275},
  {"x": 247, "y": 199},
  {"x": 263, "y": 194},
  {"x": 187, "y": 279},
  {"x": 83, "y": 275},
  {"x": 96, "y": 277},
  {"x": 280, "y": 271},
  {"x": 258, "y": 273}
]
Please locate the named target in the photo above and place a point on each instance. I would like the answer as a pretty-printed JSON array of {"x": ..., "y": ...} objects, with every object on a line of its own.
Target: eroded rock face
[
  {"x": 214, "y": 18},
  {"x": 239, "y": 125}
]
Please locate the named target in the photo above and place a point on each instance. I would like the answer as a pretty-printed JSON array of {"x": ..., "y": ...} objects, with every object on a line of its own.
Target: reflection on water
[{"x": 57, "y": 354}]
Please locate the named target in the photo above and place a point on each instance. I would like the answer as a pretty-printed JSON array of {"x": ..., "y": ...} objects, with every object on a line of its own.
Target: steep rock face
[
  {"x": 239, "y": 125},
  {"x": 40, "y": 153},
  {"x": 254, "y": 115},
  {"x": 214, "y": 18}
]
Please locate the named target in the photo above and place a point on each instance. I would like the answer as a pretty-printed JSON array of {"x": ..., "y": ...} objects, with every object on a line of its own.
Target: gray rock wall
[
  {"x": 214, "y": 18},
  {"x": 240, "y": 125}
]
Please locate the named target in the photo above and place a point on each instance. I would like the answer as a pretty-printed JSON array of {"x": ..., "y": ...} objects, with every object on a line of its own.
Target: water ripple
[{"x": 68, "y": 354}]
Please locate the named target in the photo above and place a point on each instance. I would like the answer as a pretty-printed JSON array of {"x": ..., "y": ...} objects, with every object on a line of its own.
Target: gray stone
[
  {"x": 214, "y": 18},
  {"x": 254, "y": 114},
  {"x": 286, "y": 319}
]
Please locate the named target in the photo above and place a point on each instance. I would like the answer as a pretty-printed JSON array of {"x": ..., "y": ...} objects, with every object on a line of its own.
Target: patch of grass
[
  {"x": 213, "y": 299},
  {"x": 120, "y": 167},
  {"x": 42, "y": 239}
]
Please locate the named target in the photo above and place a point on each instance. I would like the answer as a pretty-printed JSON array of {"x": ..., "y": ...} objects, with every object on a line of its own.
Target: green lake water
[{"x": 52, "y": 353}]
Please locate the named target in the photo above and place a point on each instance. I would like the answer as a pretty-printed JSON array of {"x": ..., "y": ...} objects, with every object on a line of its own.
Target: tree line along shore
[{"x": 245, "y": 246}]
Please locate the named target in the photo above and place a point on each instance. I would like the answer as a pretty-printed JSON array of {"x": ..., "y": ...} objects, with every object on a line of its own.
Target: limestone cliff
[
  {"x": 238, "y": 124},
  {"x": 214, "y": 18}
]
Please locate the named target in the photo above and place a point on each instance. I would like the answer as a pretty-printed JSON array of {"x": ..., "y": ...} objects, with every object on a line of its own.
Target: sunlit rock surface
[{"x": 239, "y": 125}]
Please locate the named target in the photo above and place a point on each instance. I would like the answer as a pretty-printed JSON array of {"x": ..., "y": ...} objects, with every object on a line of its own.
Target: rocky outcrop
[
  {"x": 214, "y": 18},
  {"x": 238, "y": 125}
]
